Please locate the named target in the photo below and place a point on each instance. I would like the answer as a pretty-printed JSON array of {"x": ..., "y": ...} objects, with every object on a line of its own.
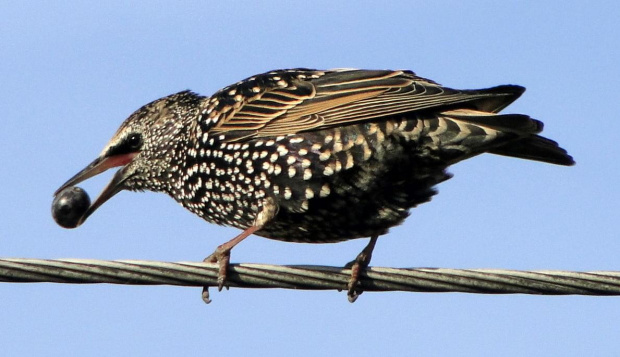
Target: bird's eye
[{"x": 134, "y": 142}]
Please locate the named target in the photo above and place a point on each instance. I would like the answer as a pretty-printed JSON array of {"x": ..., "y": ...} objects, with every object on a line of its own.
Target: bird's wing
[{"x": 287, "y": 102}]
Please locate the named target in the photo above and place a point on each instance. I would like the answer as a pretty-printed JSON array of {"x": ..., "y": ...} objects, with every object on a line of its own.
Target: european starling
[{"x": 313, "y": 156}]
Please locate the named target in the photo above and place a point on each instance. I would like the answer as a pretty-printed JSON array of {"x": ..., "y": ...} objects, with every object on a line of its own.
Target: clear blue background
[{"x": 71, "y": 73}]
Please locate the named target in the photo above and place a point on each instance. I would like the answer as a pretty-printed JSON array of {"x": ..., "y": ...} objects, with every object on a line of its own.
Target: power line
[{"x": 310, "y": 277}]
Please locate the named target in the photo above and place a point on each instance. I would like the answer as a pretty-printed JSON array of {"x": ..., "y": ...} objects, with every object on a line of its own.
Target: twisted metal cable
[{"x": 138, "y": 272}]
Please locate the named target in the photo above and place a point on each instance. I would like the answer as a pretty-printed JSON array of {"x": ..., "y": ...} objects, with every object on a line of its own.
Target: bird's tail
[
  {"x": 536, "y": 148},
  {"x": 514, "y": 135}
]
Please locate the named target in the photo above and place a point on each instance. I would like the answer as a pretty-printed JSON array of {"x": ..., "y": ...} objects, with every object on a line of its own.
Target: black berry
[{"x": 69, "y": 206}]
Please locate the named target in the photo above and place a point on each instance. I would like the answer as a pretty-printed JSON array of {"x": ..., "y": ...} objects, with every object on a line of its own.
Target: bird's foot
[
  {"x": 354, "y": 289},
  {"x": 221, "y": 256},
  {"x": 222, "y": 253},
  {"x": 358, "y": 265}
]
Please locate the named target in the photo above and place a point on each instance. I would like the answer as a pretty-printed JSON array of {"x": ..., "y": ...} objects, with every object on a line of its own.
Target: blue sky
[{"x": 71, "y": 73}]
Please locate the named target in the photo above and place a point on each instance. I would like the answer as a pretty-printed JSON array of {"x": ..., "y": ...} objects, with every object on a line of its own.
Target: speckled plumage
[{"x": 314, "y": 156}]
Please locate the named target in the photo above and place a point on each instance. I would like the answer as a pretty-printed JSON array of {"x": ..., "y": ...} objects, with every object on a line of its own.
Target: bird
[{"x": 313, "y": 156}]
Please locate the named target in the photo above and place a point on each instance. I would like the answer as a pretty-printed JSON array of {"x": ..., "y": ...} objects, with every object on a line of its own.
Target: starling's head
[{"x": 144, "y": 145}]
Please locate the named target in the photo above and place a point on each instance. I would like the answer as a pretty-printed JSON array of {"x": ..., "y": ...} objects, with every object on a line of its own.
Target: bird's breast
[{"x": 329, "y": 185}]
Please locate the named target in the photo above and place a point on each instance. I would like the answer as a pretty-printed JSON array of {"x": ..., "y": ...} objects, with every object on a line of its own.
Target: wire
[{"x": 307, "y": 277}]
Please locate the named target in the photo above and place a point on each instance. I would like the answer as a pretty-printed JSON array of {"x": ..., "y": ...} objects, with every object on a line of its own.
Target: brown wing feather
[{"x": 345, "y": 97}]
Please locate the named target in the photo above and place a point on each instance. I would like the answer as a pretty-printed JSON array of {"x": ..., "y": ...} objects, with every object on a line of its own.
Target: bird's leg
[
  {"x": 359, "y": 264},
  {"x": 221, "y": 255}
]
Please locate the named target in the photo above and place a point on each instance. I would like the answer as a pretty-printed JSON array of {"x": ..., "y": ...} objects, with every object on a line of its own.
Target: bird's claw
[
  {"x": 353, "y": 286},
  {"x": 354, "y": 289},
  {"x": 360, "y": 263},
  {"x": 221, "y": 256},
  {"x": 205, "y": 295}
]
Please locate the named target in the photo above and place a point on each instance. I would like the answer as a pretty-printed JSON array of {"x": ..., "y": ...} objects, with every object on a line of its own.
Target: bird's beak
[{"x": 96, "y": 167}]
